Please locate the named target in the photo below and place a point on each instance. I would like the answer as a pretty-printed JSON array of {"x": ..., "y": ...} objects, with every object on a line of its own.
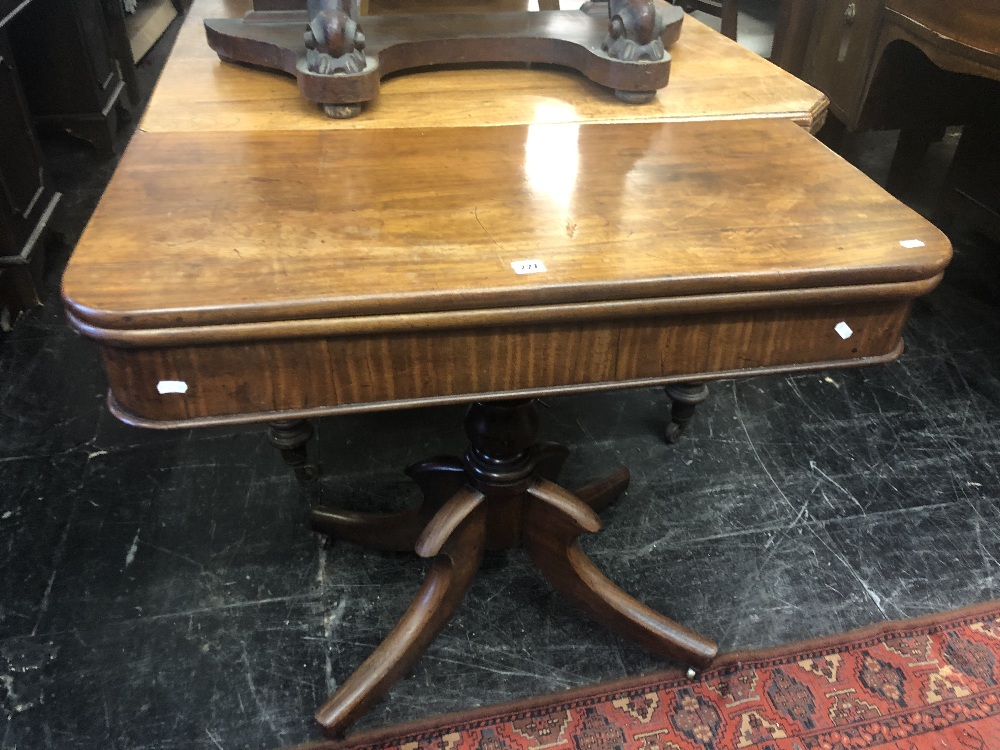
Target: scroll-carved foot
[
  {"x": 438, "y": 478},
  {"x": 334, "y": 40},
  {"x": 455, "y": 538},
  {"x": 684, "y": 398},
  {"x": 291, "y": 437},
  {"x": 634, "y": 30},
  {"x": 555, "y": 518}
]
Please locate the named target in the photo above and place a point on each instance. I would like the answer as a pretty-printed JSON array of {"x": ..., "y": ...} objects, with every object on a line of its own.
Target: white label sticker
[
  {"x": 844, "y": 330},
  {"x": 172, "y": 386},
  {"x": 528, "y": 266},
  {"x": 910, "y": 244}
]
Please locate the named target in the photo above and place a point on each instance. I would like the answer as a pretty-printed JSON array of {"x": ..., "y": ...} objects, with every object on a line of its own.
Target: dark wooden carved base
[
  {"x": 619, "y": 44},
  {"x": 500, "y": 494},
  {"x": 684, "y": 400}
]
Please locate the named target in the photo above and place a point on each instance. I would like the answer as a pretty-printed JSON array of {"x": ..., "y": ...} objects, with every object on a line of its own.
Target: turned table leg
[
  {"x": 291, "y": 437},
  {"x": 684, "y": 400}
]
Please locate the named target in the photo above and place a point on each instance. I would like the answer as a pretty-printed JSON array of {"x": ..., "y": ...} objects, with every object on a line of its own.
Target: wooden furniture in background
[
  {"x": 915, "y": 65},
  {"x": 27, "y": 199},
  {"x": 73, "y": 68},
  {"x": 972, "y": 185},
  {"x": 712, "y": 78},
  {"x": 726, "y": 10},
  {"x": 844, "y": 48},
  {"x": 144, "y": 27}
]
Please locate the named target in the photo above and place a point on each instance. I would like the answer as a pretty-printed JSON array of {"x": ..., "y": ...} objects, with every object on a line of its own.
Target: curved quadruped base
[
  {"x": 501, "y": 494},
  {"x": 555, "y": 518},
  {"x": 438, "y": 478},
  {"x": 455, "y": 538},
  {"x": 575, "y": 39}
]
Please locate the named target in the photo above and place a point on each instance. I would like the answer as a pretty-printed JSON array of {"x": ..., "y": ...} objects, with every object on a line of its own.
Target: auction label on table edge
[
  {"x": 172, "y": 386},
  {"x": 528, "y": 266}
]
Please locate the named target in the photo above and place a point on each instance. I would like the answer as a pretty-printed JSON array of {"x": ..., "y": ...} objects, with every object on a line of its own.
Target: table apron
[{"x": 260, "y": 380}]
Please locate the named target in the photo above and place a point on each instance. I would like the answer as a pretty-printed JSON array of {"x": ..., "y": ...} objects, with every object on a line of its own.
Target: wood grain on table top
[
  {"x": 712, "y": 78},
  {"x": 204, "y": 229}
]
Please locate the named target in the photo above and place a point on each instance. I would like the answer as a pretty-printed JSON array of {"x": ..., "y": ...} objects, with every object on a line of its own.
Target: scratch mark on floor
[
  {"x": 329, "y": 625},
  {"x": 130, "y": 556}
]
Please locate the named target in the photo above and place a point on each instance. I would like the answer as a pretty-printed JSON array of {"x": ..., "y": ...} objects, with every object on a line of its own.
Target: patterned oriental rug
[{"x": 908, "y": 685}]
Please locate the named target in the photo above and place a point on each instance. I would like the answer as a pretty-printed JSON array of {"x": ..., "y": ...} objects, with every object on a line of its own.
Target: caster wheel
[
  {"x": 673, "y": 433},
  {"x": 307, "y": 474},
  {"x": 635, "y": 97},
  {"x": 342, "y": 111}
]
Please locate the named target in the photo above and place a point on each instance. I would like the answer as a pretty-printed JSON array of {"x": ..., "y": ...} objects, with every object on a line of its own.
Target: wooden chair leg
[
  {"x": 554, "y": 519},
  {"x": 455, "y": 538},
  {"x": 911, "y": 149},
  {"x": 438, "y": 479},
  {"x": 730, "y": 14}
]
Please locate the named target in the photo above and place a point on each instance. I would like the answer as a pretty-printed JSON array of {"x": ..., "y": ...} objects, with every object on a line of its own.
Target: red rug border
[{"x": 822, "y": 645}]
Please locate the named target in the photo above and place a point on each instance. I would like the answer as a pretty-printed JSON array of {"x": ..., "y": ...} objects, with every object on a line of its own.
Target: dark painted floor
[{"x": 161, "y": 590}]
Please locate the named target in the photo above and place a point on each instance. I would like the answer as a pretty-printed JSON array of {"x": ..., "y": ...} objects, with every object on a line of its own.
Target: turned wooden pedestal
[{"x": 500, "y": 494}]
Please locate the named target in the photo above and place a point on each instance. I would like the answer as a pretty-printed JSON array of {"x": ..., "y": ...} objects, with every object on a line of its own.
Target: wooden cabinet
[
  {"x": 913, "y": 65},
  {"x": 26, "y": 200},
  {"x": 838, "y": 60},
  {"x": 892, "y": 63},
  {"x": 972, "y": 187},
  {"x": 72, "y": 67}
]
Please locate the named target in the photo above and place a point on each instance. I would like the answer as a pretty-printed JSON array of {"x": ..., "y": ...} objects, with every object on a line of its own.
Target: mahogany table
[
  {"x": 278, "y": 267},
  {"x": 711, "y": 78}
]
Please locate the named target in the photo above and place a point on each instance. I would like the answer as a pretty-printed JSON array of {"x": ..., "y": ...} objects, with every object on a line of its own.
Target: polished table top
[
  {"x": 711, "y": 78},
  {"x": 311, "y": 272},
  {"x": 252, "y": 228}
]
